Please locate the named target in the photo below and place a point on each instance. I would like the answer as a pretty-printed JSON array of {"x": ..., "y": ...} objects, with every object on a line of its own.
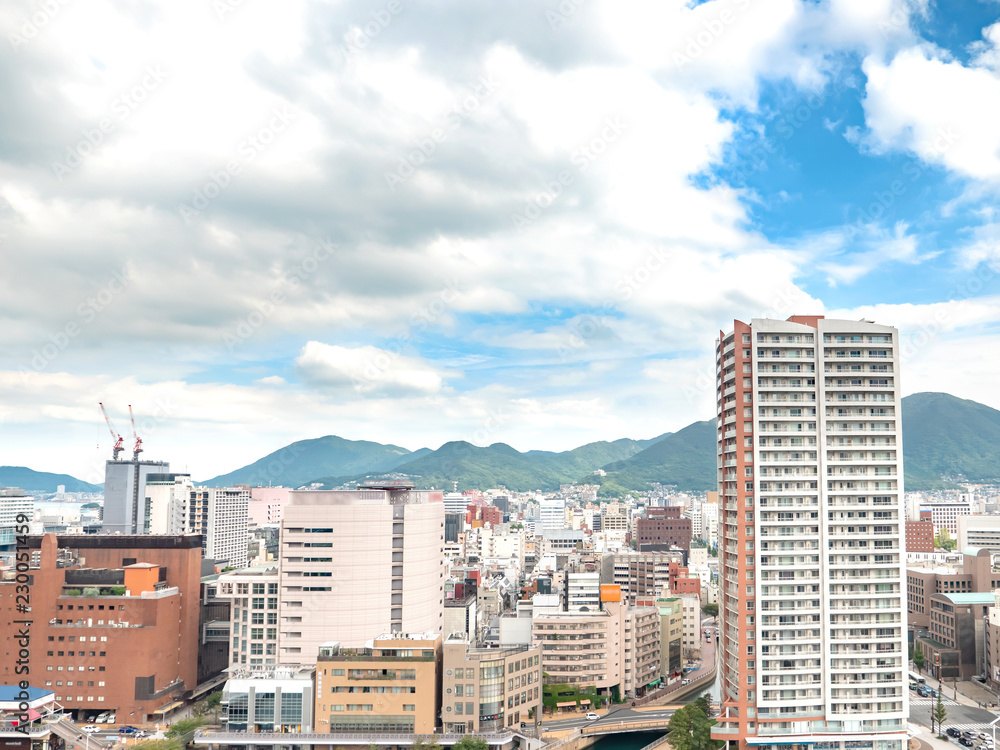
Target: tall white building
[
  {"x": 552, "y": 512},
  {"x": 125, "y": 494},
  {"x": 355, "y": 564},
  {"x": 173, "y": 505},
  {"x": 254, "y": 615},
  {"x": 14, "y": 505},
  {"x": 812, "y": 609}
]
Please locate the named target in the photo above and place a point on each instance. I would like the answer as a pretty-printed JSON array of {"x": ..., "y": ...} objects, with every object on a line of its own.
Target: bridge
[
  {"x": 319, "y": 741},
  {"x": 625, "y": 725}
]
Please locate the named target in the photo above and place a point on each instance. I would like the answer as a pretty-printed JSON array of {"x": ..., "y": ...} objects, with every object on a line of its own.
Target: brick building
[
  {"x": 115, "y": 622},
  {"x": 664, "y": 525},
  {"x": 920, "y": 536}
]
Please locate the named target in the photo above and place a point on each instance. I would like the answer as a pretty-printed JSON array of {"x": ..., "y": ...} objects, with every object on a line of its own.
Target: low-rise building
[
  {"x": 489, "y": 689},
  {"x": 269, "y": 700},
  {"x": 955, "y": 646},
  {"x": 392, "y": 685}
]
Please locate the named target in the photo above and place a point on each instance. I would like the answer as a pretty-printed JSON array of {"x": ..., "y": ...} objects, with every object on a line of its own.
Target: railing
[{"x": 337, "y": 738}]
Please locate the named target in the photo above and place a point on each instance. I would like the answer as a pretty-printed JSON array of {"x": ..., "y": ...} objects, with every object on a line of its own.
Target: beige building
[
  {"x": 489, "y": 689},
  {"x": 671, "y": 636},
  {"x": 358, "y": 563},
  {"x": 253, "y": 593},
  {"x": 390, "y": 685},
  {"x": 612, "y": 646}
]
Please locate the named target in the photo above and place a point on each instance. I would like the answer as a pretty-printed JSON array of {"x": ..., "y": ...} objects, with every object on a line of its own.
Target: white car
[
  {"x": 90, "y": 728},
  {"x": 592, "y": 716}
]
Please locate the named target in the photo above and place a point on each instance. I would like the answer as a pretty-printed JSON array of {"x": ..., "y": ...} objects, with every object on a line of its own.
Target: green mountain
[
  {"x": 42, "y": 481},
  {"x": 685, "y": 458},
  {"x": 499, "y": 464},
  {"x": 301, "y": 462},
  {"x": 947, "y": 439}
]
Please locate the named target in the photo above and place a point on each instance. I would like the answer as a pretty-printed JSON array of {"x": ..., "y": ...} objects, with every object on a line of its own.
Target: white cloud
[
  {"x": 939, "y": 109},
  {"x": 367, "y": 369}
]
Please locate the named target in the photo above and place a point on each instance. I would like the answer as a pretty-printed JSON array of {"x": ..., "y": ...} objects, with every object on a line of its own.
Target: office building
[
  {"x": 125, "y": 494},
  {"x": 115, "y": 622},
  {"x": 583, "y": 591},
  {"x": 664, "y": 526},
  {"x": 920, "y": 536},
  {"x": 173, "y": 505},
  {"x": 358, "y": 563},
  {"x": 489, "y": 689},
  {"x": 945, "y": 514},
  {"x": 389, "y": 685},
  {"x": 272, "y": 700},
  {"x": 14, "y": 505},
  {"x": 813, "y": 624},
  {"x": 254, "y": 615},
  {"x": 671, "y": 637},
  {"x": 267, "y": 504},
  {"x": 977, "y": 531},
  {"x": 552, "y": 512}
]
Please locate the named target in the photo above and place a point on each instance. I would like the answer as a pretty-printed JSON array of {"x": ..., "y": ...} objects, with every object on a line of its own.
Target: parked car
[
  {"x": 111, "y": 719},
  {"x": 592, "y": 716},
  {"x": 101, "y": 718},
  {"x": 685, "y": 682},
  {"x": 91, "y": 728}
]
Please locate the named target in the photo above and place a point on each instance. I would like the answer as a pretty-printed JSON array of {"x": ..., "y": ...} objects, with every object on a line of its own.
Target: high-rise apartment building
[
  {"x": 355, "y": 564},
  {"x": 812, "y": 612},
  {"x": 14, "y": 505},
  {"x": 173, "y": 505}
]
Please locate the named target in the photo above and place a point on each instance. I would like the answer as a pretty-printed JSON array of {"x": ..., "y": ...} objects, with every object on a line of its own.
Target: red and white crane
[
  {"x": 138, "y": 440},
  {"x": 119, "y": 444}
]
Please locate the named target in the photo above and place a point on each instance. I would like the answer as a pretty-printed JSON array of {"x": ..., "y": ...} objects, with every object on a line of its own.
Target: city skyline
[{"x": 462, "y": 223}]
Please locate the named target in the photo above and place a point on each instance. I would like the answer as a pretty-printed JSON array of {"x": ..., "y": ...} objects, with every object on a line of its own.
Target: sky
[{"x": 514, "y": 221}]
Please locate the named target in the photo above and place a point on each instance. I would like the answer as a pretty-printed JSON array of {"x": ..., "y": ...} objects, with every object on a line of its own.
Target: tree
[
  {"x": 182, "y": 727},
  {"x": 425, "y": 745},
  {"x": 712, "y": 610},
  {"x": 944, "y": 540},
  {"x": 918, "y": 658},
  {"x": 939, "y": 714},
  {"x": 471, "y": 742}
]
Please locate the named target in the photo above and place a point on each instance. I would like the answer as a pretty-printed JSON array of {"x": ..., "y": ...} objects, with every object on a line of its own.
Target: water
[{"x": 629, "y": 741}]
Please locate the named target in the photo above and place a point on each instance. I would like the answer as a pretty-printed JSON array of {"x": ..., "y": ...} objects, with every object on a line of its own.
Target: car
[
  {"x": 110, "y": 719},
  {"x": 966, "y": 742},
  {"x": 127, "y": 730},
  {"x": 685, "y": 682},
  {"x": 952, "y": 732},
  {"x": 101, "y": 718},
  {"x": 591, "y": 716},
  {"x": 89, "y": 728}
]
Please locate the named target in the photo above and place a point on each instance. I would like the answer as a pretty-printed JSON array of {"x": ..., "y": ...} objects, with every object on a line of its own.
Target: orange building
[{"x": 115, "y": 622}]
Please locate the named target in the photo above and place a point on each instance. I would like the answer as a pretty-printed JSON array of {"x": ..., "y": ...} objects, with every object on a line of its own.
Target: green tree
[
  {"x": 944, "y": 540},
  {"x": 182, "y": 727},
  {"x": 918, "y": 658},
  {"x": 91, "y": 591},
  {"x": 712, "y": 610},
  {"x": 940, "y": 713},
  {"x": 425, "y": 745},
  {"x": 471, "y": 742},
  {"x": 680, "y": 730}
]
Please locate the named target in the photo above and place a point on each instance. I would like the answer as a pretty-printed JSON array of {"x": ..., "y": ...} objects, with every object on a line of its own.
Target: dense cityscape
[{"x": 388, "y": 613}]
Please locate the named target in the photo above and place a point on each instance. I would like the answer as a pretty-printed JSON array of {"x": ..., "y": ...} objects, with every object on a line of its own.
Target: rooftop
[{"x": 972, "y": 597}]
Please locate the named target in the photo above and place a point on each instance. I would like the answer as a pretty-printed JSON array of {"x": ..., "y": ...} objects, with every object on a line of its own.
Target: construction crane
[
  {"x": 119, "y": 445},
  {"x": 138, "y": 440}
]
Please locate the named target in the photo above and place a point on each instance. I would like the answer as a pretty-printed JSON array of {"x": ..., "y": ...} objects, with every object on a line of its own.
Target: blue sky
[{"x": 520, "y": 222}]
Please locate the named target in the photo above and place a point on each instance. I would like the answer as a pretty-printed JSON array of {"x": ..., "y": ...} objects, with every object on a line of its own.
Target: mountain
[
  {"x": 946, "y": 439},
  {"x": 301, "y": 462},
  {"x": 685, "y": 458},
  {"x": 42, "y": 481},
  {"x": 476, "y": 467}
]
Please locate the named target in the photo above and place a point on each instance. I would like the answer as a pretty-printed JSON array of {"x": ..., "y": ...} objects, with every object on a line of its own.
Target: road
[{"x": 613, "y": 716}]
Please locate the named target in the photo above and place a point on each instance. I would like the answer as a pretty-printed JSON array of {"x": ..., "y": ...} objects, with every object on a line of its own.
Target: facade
[
  {"x": 115, "y": 622},
  {"x": 267, "y": 505},
  {"x": 640, "y": 574},
  {"x": 489, "y": 689},
  {"x": 125, "y": 494},
  {"x": 357, "y": 563},
  {"x": 671, "y": 637},
  {"x": 920, "y": 536},
  {"x": 664, "y": 525},
  {"x": 583, "y": 591},
  {"x": 991, "y": 644},
  {"x": 979, "y": 531},
  {"x": 955, "y": 646},
  {"x": 254, "y": 624},
  {"x": 641, "y": 641},
  {"x": 390, "y": 685},
  {"x": 274, "y": 700},
  {"x": 173, "y": 505},
  {"x": 976, "y": 576},
  {"x": 946, "y": 514},
  {"x": 14, "y": 504},
  {"x": 552, "y": 513},
  {"x": 812, "y": 620},
  {"x": 460, "y": 615}
]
